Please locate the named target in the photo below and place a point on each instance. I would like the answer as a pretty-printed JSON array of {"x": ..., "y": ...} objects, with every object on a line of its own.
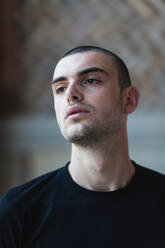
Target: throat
[{"x": 100, "y": 173}]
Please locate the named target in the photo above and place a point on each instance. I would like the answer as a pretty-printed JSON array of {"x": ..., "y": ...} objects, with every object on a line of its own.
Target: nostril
[{"x": 75, "y": 97}]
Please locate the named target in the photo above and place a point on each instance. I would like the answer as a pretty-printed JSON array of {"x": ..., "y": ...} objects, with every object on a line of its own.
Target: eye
[
  {"x": 91, "y": 81},
  {"x": 60, "y": 90}
]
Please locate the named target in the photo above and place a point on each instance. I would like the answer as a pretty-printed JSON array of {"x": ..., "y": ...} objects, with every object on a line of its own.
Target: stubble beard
[{"x": 94, "y": 133}]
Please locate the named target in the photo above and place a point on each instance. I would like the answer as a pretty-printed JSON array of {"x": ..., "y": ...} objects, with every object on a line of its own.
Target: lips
[{"x": 75, "y": 110}]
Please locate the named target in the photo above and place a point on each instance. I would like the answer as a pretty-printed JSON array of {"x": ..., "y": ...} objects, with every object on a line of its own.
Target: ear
[{"x": 131, "y": 99}]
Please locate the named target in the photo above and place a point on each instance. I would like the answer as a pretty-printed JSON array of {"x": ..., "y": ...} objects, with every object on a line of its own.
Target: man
[{"x": 100, "y": 198}]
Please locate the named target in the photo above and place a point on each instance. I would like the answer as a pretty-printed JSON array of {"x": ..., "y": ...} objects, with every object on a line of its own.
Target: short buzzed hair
[{"x": 122, "y": 71}]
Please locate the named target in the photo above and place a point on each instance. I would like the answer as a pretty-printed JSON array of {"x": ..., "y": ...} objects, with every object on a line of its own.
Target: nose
[{"x": 74, "y": 93}]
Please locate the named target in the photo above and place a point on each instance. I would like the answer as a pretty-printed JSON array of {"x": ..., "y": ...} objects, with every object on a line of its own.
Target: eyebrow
[
  {"x": 91, "y": 69},
  {"x": 81, "y": 73},
  {"x": 58, "y": 79}
]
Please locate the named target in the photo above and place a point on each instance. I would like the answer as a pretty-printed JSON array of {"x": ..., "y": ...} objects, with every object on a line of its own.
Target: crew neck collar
[{"x": 75, "y": 187}]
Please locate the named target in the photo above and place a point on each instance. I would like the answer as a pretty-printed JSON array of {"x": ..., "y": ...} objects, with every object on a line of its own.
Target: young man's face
[{"x": 87, "y": 98}]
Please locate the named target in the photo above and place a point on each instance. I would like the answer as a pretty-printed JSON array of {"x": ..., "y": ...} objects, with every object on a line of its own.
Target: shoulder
[
  {"x": 25, "y": 206},
  {"x": 152, "y": 183},
  {"x": 153, "y": 179},
  {"x": 31, "y": 192}
]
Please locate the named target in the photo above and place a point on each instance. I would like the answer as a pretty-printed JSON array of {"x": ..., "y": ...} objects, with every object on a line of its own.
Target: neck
[{"x": 101, "y": 168}]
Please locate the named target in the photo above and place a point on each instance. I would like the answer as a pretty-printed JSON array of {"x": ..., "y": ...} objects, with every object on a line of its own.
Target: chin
[
  {"x": 76, "y": 130},
  {"x": 74, "y": 137},
  {"x": 80, "y": 140},
  {"x": 83, "y": 136}
]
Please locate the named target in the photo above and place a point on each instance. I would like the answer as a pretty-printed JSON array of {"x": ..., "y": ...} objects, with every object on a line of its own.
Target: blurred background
[{"x": 34, "y": 35}]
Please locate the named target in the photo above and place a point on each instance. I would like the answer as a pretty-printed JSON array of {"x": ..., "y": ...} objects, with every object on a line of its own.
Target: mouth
[{"x": 75, "y": 112}]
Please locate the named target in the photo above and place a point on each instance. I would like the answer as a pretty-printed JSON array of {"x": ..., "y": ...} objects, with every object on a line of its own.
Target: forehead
[{"x": 72, "y": 64}]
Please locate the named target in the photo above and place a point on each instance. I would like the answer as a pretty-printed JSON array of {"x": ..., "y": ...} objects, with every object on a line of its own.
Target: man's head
[
  {"x": 90, "y": 103},
  {"x": 123, "y": 74}
]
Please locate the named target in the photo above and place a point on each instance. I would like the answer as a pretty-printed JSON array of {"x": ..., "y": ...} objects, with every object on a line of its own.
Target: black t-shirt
[{"x": 53, "y": 211}]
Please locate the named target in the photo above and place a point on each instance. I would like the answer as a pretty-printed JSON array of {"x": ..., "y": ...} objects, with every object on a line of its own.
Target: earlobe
[{"x": 131, "y": 99}]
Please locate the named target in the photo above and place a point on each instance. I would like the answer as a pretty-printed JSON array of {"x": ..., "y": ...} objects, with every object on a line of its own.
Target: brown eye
[{"x": 60, "y": 90}]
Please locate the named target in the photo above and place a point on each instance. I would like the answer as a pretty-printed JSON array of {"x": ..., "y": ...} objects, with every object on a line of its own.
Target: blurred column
[
  {"x": 11, "y": 76},
  {"x": 10, "y": 65}
]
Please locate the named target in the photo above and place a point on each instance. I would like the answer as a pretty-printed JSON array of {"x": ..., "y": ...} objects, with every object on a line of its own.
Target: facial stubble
[{"x": 93, "y": 132}]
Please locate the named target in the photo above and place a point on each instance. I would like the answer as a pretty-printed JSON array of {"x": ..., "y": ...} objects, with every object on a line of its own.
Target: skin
[{"x": 100, "y": 159}]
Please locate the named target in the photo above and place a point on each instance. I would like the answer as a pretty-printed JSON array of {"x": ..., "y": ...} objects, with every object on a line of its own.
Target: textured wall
[{"x": 133, "y": 29}]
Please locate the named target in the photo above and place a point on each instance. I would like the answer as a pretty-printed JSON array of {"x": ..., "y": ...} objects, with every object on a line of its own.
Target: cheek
[
  {"x": 57, "y": 105},
  {"x": 59, "y": 119},
  {"x": 103, "y": 100},
  {"x": 57, "y": 111}
]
